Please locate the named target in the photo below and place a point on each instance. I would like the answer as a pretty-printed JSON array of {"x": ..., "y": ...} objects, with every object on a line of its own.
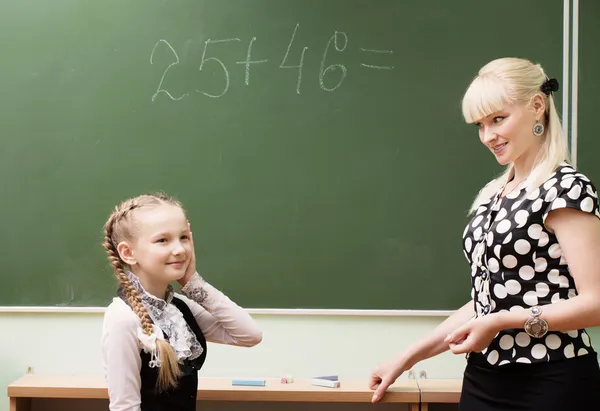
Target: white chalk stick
[{"x": 325, "y": 383}]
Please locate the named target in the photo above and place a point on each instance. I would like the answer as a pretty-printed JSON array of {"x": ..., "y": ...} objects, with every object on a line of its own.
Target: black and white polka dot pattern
[{"x": 517, "y": 263}]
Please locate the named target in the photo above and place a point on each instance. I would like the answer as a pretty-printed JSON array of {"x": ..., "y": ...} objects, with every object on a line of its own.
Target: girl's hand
[{"x": 191, "y": 268}]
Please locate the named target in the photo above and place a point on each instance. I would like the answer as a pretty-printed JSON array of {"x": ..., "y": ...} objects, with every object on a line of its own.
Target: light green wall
[{"x": 299, "y": 345}]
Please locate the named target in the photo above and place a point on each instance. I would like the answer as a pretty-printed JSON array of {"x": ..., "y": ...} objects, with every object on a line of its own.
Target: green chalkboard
[
  {"x": 588, "y": 91},
  {"x": 317, "y": 145}
]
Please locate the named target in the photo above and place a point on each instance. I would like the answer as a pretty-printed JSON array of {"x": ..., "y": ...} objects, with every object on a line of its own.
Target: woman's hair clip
[{"x": 549, "y": 86}]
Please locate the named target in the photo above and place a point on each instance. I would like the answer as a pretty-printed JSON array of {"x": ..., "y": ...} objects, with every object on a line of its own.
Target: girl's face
[{"x": 161, "y": 250}]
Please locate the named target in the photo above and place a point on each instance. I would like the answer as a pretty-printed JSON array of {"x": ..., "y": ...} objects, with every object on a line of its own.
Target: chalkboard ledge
[{"x": 255, "y": 311}]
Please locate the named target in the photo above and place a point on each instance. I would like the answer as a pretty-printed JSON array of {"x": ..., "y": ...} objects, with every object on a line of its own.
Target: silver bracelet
[{"x": 535, "y": 326}]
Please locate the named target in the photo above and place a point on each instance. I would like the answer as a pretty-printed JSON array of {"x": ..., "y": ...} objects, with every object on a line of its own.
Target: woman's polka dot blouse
[{"x": 517, "y": 262}]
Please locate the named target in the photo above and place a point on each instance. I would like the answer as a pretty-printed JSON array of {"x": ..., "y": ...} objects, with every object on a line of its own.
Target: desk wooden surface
[
  {"x": 440, "y": 391},
  {"x": 91, "y": 387}
]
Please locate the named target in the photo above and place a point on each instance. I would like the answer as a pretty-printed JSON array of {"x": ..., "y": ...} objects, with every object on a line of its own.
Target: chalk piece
[
  {"x": 289, "y": 379},
  {"x": 325, "y": 383},
  {"x": 259, "y": 383},
  {"x": 328, "y": 377}
]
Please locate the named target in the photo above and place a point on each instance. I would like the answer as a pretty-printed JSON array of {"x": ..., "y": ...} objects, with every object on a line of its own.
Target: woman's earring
[{"x": 538, "y": 128}]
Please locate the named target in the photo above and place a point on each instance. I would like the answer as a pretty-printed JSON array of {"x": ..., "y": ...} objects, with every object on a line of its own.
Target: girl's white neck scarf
[{"x": 169, "y": 320}]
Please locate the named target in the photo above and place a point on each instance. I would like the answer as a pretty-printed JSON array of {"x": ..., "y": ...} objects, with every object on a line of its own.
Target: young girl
[
  {"x": 533, "y": 249},
  {"x": 153, "y": 340}
]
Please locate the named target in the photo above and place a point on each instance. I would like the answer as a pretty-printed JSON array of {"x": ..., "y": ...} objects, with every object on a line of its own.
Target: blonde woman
[{"x": 533, "y": 249}]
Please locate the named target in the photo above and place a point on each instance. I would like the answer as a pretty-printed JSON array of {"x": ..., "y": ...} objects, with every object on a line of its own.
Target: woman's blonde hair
[
  {"x": 120, "y": 227},
  {"x": 508, "y": 81}
]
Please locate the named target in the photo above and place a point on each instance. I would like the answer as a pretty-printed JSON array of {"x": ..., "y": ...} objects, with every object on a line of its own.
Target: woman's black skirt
[{"x": 572, "y": 384}]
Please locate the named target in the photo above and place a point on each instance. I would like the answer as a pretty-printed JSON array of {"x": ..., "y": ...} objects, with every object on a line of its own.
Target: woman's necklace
[{"x": 503, "y": 194}]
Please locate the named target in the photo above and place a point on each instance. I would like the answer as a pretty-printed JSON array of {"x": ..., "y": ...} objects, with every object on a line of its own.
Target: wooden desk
[
  {"x": 439, "y": 391},
  {"x": 23, "y": 390}
]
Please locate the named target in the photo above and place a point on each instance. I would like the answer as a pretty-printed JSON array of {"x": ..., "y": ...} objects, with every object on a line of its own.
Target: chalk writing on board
[
  {"x": 331, "y": 72},
  {"x": 205, "y": 60},
  {"x": 344, "y": 42},
  {"x": 379, "y": 52},
  {"x": 249, "y": 61},
  {"x": 159, "y": 89},
  {"x": 299, "y": 66}
]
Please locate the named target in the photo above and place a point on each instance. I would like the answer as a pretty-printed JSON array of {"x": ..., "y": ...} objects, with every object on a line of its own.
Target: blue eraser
[
  {"x": 328, "y": 377},
  {"x": 259, "y": 383}
]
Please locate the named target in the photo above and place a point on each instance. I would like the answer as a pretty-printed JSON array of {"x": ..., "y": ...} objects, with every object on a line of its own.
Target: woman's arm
[
  {"x": 429, "y": 346},
  {"x": 578, "y": 234},
  {"x": 433, "y": 344},
  {"x": 220, "y": 319}
]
